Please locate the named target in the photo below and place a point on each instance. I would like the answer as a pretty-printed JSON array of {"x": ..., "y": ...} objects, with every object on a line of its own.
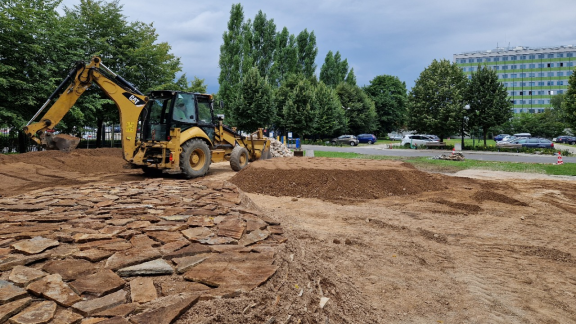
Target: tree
[
  {"x": 263, "y": 43},
  {"x": 33, "y": 57},
  {"x": 488, "y": 100},
  {"x": 231, "y": 52},
  {"x": 298, "y": 110},
  {"x": 285, "y": 58},
  {"x": 334, "y": 70},
  {"x": 435, "y": 103},
  {"x": 359, "y": 109},
  {"x": 351, "y": 77},
  {"x": 569, "y": 104},
  {"x": 307, "y": 51},
  {"x": 390, "y": 99},
  {"x": 330, "y": 117},
  {"x": 255, "y": 102},
  {"x": 182, "y": 84}
]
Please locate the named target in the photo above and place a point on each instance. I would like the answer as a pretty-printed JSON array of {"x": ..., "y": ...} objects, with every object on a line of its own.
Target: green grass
[{"x": 428, "y": 164}]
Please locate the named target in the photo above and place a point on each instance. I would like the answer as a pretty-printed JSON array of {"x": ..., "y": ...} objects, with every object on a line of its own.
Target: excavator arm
[{"x": 128, "y": 99}]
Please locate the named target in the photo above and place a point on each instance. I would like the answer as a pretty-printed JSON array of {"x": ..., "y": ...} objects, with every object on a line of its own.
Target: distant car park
[
  {"x": 535, "y": 142},
  {"x": 566, "y": 139}
]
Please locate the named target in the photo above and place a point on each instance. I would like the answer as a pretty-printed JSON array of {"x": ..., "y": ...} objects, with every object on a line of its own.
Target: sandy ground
[{"x": 385, "y": 242}]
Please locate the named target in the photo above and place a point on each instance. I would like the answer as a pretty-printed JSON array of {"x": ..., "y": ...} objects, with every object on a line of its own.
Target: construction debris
[
  {"x": 278, "y": 149},
  {"x": 451, "y": 157}
]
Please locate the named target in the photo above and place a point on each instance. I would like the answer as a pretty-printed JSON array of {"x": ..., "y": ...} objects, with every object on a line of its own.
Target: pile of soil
[{"x": 332, "y": 179}]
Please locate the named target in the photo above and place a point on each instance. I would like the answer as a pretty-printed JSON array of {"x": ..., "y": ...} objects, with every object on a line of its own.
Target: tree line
[{"x": 268, "y": 78}]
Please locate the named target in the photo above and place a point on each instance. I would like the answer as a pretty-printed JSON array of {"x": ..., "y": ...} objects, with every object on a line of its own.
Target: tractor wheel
[
  {"x": 239, "y": 158},
  {"x": 195, "y": 158}
]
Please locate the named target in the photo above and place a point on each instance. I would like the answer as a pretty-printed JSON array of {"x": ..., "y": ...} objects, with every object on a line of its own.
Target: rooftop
[{"x": 515, "y": 49}]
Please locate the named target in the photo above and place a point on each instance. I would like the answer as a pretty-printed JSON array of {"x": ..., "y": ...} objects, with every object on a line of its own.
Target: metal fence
[{"x": 15, "y": 141}]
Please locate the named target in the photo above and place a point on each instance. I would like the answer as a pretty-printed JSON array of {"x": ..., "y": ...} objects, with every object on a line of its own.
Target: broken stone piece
[
  {"x": 99, "y": 283},
  {"x": 10, "y": 261},
  {"x": 36, "y": 314},
  {"x": 165, "y": 310},
  {"x": 192, "y": 249},
  {"x": 13, "y": 308},
  {"x": 142, "y": 290},
  {"x": 52, "y": 287},
  {"x": 186, "y": 263},
  {"x": 93, "y": 255},
  {"x": 22, "y": 275},
  {"x": 69, "y": 269},
  {"x": 9, "y": 292},
  {"x": 89, "y": 307},
  {"x": 156, "y": 267},
  {"x": 135, "y": 255},
  {"x": 196, "y": 234},
  {"x": 120, "y": 310},
  {"x": 65, "y": 316},
  {"x": 34, "y": 245}
]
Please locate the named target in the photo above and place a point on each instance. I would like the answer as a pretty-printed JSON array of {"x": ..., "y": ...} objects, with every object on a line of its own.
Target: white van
[{"x": 523, "y": 135}]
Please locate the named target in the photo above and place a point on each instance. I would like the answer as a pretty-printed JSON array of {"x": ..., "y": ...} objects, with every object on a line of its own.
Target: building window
[
  {"x": 560, "y": 64},
  {"x": 550, "y": 83},
  {"x": 560, "y": 83},
  {"x": 513, "y": 75},
  {"x": 550, "y": 74},
  {"x": 540, "y": 65},
  {"x": 532, "y": 56},
  {"x": 487, "y": 59},
  {"x": 523, "y": 57},
  {"x": 522, "y": 66},
  {"x": 521, "y": 93},
  {"x": 547, "y": 64},
  {"x": 541, "y": 92},
  {"x": 570, "y": 64},
  {"x": 504, "y": 76},
  {"x": 470, "y": 60},
  {"x": 569, "y": 73},
  {"x": 478, "y": 60},
  {"x": 531, "y": 84},
  {"x": 513, "y": 58},
  {"x": 531, "y": 74},
  {"x": 496, "y": 67},
  {"x": 560, "y": 91},
  {"x": 496, "y": 59},
  {"x": 522, "y": 75},
  {"x": 505, "y": 58},
  {"x": 529, "y": 93},
  {"x": 541, "y": 83},
  {"x": 512, "y": 93},
  {"x": 550, "y": 55},
  {"x": 513, "y": 67},
  {"x": 540, "y": 55},
  {"x": 569, "y": 55},
  {"x": 531, "y": 66},
  {"x": 560, "y": 74},
  {"x": 463, "y": 61},
  {"x": 504, "y": 67},
  {"x": 560, "y": 55}
]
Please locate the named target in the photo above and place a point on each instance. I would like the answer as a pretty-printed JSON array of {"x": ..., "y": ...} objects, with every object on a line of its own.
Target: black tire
[
  {"x": 239, "y": 158},
  {"x": 195, "y": 158},
  {"x": 333, "y": 143},
  {"x": 370, "y": 142},
  {"x": 151, "y": 172},
  {"x": 352, "y": 143}
]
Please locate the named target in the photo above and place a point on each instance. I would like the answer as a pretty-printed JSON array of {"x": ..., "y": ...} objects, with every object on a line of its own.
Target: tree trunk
[
  {"x": 485, "y": 134},
  {"x": 99, "y": 132}
]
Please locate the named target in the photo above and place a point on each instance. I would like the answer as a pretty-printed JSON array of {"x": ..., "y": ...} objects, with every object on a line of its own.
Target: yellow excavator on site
[{"x": 166, "y": 131}]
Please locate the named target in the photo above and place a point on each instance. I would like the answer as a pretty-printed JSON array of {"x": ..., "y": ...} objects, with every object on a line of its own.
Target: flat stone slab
[
  {"x": 142, "y": 290},
  {"x": 10, "y": 261},
  {"x": 131, "y": 257},
  {"x": 196, "y": 234},
  {"x": 178, "y": 287},
  {"x": 244, "y": 271},
  {"x": 93, "y": 255},
  {"x": 115, "y": 320},
  {"x": 200, "y": 221},
  {"x": 156, "y": 267},
  {"x": 99, "y": 283},
  {"x": 36, "y": 314},
  {"x": 35, "y": 245},
  {"x": 13, "y": 308},
  {"x": 253, "y": 237},
  {"x": 9, "y": 292},
  {"x": 190, "y": 250},
  {"x": 52, "y": 287},
  {"x": 166, "y": 237},
  {"x": 89, "y": 307},
  {"x": 70, "y": 269},
  {"x": 83, "y": 238},
  {"x": 66, "y": 316},
  {"x": 186, "y": 263},
  {"x": 232, "y": 227},
  {"x": 120, "y": 310},
  {"x": 165, "y": 310}
]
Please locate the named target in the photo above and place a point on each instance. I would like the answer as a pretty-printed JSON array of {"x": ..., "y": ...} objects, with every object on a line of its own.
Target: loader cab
[{"x": 173, "y": 109}]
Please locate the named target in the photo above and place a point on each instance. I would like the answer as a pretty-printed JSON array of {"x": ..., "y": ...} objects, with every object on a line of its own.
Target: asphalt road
[{"x": 472, "y": 155}]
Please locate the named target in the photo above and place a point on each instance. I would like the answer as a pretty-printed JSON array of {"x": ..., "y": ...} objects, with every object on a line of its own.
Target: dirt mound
[
  {"x": 331, "y": 179},
  {"x": 497, "y": 197},
  {"x": 86, "y": 161}
]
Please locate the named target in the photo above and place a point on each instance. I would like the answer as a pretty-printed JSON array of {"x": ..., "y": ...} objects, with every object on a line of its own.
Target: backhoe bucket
[{"x": 60, "y": 142}]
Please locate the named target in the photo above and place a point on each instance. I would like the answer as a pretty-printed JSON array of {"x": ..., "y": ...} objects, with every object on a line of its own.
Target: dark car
[
  {"x": 345, "y": 139},
  {"x": 535, "y": 142},
  {"x": 499, "y": 137},
  {"x": 367, "y": 138},
  {"x": 566, "y": 139}
]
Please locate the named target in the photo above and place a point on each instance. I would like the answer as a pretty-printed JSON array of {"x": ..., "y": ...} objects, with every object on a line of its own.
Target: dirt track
[{"x": 385, "y": 242}]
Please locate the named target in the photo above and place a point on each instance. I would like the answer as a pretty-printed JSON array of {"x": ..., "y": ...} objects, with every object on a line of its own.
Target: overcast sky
[{"x": 398, "y": 38}]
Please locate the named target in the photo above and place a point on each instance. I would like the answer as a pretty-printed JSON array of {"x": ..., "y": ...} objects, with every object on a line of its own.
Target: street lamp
[{"x": 466, "y": 108}]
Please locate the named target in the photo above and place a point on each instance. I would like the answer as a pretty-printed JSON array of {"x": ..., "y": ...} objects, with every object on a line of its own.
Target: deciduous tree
[
  {"x": 255, "y": 102},
  {"x": 359, "y": 109},
  {"x": 569, "y": 104},
  {"x": 390, "y": 99},
  {"x": 330, "y": 117},
  {"x": 307, "y": 51}
]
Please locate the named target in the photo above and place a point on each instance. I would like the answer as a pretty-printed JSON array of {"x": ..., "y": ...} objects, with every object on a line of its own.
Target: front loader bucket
[
  {"x": 266, "y": 154},
  {"x": 60, "y": 142}
]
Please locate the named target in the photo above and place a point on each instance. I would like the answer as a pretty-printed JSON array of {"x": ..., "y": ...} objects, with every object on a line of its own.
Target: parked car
[
  {"x": 367, "y": 138},
  {"x": 507, "y": 139},
  {"x": 395, "y": 136},
  {"x": 499, "y": 137},
  {"x": 345, "y": 139},
  {"x": 524, "y": 135},
  {"x": 535, "y": 142},
  {"x": 434, "y": 137},
  {"x": 565, "y": 139},
  {"x": 416, "y": 139}
]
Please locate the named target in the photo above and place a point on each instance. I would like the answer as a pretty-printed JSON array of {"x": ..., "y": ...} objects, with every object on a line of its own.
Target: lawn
[{"x": 428, "y": 164}]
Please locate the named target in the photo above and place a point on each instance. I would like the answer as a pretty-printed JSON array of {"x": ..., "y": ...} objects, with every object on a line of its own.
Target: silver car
[
  {"x": 417, "y": 140},
  {"x": 345, "y": 139}
]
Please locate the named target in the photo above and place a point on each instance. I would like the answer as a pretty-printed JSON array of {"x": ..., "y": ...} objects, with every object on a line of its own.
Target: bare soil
[{"x": 385, "y": 242}]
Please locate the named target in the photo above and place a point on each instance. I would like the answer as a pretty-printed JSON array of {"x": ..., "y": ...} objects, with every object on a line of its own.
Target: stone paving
[{"x": 141, "y": 252}]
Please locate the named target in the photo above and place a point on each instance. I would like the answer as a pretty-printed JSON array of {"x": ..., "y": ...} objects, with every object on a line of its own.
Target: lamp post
[{"x": 466, "y": 108}]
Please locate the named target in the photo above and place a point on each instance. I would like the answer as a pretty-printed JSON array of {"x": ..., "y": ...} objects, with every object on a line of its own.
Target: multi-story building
[{"x": 531, "y": 75}]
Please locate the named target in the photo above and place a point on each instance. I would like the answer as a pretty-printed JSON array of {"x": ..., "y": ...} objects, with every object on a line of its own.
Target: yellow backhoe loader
[{"x": 166, "y": 131}]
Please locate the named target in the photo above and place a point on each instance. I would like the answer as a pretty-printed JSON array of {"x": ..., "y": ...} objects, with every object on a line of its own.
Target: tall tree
[
  {"x": 488, "y": 100},
  {"x": 264, "y": 43},
  {"x": 307, "y": 52},
  {"x": 569, "y": 104},
  {"x": 281, "y": 97},
  {"x": 299, "y": 109},
  {"x": 390, "y": 98},
  {"x": 435, "y": 103},
  {"x": 255, "y": 102},
  {"x": 330, "y": 117},
  {"x": 231, "y": 59},
  {"x": 359, "y": 109},
  {"x": 334, "y": 70},
  {"x": 351, "y": 77},
  {"x": 285, "y": 58},
  {"x": 33, "y": 57}
]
